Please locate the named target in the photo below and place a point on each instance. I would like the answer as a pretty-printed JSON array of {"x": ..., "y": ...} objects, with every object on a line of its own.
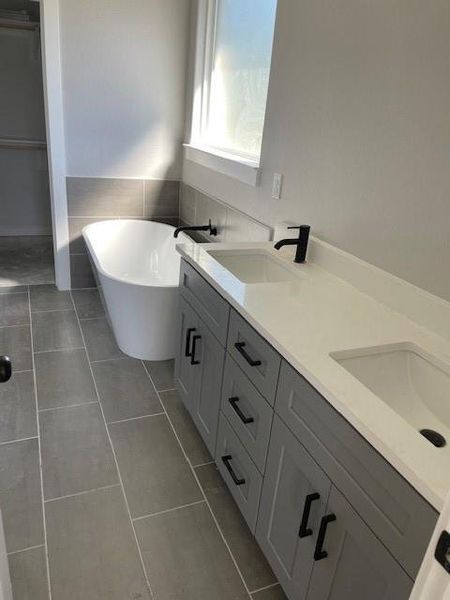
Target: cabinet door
[
  {"x": 353, "y": 563},
  {"x": 207, "y": 364},
  {"x": 294, "y": 498},
  {"x": 184, "y": 372}
]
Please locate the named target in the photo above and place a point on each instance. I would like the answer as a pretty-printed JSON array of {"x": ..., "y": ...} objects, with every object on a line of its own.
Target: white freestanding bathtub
[{"x": 137, "y": 270}]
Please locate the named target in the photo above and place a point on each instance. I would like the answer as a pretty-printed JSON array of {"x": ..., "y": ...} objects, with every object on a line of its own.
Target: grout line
[
  {"x": 75, "y": 494},
  {"x": 44, "y": 522},
  {"x": 127, "y": 506},
  {"x": 267, "y": 587},
  {"x": 58, "y": 350},
  {"x": 48, "y": 310},
  {"x": 25, "y": 549},
  {"x": 23, "y": 371},
  {"x": 41, "y": 410},
  {"x": 204, "y": 496},
  {"x": 102, "y": 360},
  {"x": 158, "y": 414},
  {"x": 164, "y": 391},
  {"x": 92, "y": 318},
  {"x": 33, "y": 437},
  {"x": 169, "y": 510},
  {"x": 210, "y": 462},
  {"x": 16, "y": 325}
]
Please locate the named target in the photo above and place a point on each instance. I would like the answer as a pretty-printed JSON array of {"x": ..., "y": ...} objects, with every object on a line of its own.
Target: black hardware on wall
[
  {"x": 194, "y": 342},
  {"x": 304, "y": 530},
  {"x": 234, "y": 403},
  {"x": 5, "y": 369},
  {"x": 240, "y": 347},
  {"x": 319, "y": 552},
  {"x": 226, "y": 461},
  {"x": 189, "y": 332}
]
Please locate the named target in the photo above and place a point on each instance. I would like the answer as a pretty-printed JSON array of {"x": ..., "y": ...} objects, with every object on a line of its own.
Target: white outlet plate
[{"x": 277, "y": 185}]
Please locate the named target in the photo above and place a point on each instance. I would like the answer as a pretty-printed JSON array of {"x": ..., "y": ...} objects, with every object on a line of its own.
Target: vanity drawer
[
  {"x": 392, "y": 508},
  {"x": 247, "y": 412},
  {"x": 256, "y": 357},
  {"x": 239, "y": 472},
  {"x": 210, "y": 305}
]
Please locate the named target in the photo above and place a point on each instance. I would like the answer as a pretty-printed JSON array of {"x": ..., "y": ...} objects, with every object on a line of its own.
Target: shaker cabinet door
[{"x": 184, "y": 373}]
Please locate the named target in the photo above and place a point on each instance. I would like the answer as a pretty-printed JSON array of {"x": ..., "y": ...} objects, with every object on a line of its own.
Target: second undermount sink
[
  {"x": 253, "y": 266},
  {"x": 415, "y": 385}
]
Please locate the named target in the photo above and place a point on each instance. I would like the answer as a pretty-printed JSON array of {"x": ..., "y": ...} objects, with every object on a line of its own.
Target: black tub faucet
[
  {"x": 301, "y": 242},
  {"x": 209, "y": 228}
]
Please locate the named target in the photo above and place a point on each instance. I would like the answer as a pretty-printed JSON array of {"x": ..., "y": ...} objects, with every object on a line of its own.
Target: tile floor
[
  {"x": 106, "y": 489},
  {"x": 26, "y": 260}
]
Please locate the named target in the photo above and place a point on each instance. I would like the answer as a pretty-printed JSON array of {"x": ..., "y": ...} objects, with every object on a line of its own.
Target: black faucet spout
[
  {"x": 209, "y": 228},
  {"x": 287, "y": 242}
]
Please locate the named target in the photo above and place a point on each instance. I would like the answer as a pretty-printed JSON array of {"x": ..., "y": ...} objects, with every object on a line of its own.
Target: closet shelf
[{"x": 21, "y": 144}]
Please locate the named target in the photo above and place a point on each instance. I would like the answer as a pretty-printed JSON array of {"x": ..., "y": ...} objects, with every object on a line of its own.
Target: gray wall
[{"x": 358, "y": 122}]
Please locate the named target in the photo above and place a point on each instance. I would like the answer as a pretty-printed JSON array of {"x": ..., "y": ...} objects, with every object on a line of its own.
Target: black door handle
[
  {"x": 5, "y": 369},
  {"x": 246, "y": 420},
  {"x": 189, "y": 332},
  {"x": 226, "y": 461},
  {"x": 194, "y": 342},
  {"x": 240, "y": 347},
  {"x": 319, "y": 552},
  {"x": 304, "y": 530}
]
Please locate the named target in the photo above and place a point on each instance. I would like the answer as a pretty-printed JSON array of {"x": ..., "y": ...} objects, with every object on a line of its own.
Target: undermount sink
[
  {"x": 415, "y": 385},
  {"x": 253, "y": 266}
]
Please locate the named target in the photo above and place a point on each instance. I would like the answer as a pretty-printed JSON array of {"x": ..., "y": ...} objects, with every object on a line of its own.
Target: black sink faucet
[
  {"x": 209, "y": 228},
  {"x": 301, "y": 242}
]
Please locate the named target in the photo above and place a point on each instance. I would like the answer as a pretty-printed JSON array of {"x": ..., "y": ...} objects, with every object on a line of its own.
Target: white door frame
[{"x": 56, "y": 149}]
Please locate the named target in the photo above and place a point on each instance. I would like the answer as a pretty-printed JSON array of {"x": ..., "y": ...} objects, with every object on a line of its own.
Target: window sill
[{"x": 247, "y": 171}]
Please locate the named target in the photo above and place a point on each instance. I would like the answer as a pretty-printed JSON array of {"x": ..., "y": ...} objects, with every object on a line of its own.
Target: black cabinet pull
[
  {"x": 194, "y": 342},
  {"x": 226, "y": 461},
  {"x": 189, "y": 332},
  {"x": 246, "y": 420},
  {"x": 319, "y": 552},
  {"x": 240, "y": 347},
  {"x": 5, "y": 369},
  {"x": 304, "y": 530}
]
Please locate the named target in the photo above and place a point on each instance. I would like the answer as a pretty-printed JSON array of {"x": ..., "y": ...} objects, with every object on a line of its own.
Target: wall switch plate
[{"x": 277, "y": 185}]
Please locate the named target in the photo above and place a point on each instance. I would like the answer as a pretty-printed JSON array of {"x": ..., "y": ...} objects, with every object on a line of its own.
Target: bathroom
[{"x": 197, "y": 402}]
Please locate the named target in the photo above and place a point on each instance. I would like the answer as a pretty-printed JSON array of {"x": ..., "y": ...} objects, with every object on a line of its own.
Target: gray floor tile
[
  {"x": 154, "y": 471},
  {"x": 56, "y": 330},
  {"x": 186, "y": 558},
  {"x": 92, "y": 532},
  {"x": 273, "y": 593},
  {"x": 18, "y": 407},
  {"x": 254, "y": 567},
  {"x": 28, "y": 571},
  {"x": 76, "y": 453},
  {"x": 48, "y": 297},
  {"x": 88, "y": 303},
  {"x": 161, "y": 372},
  {"x": 190, "y": 439},
  {"x": 15, "y": 342},
  {"x": 13, "y": 289},
  {"x": 100, "y": 342},
  {"x": 63, "y": 378},
  {"x": 20, "y": 495},
  {"x": 14, "y": 309}
]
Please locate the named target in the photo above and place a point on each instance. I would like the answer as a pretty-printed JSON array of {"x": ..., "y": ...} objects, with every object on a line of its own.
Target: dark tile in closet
[
  {"x": 20, "y": 495},
  {"x": 100, "y": 341},
  {"x": 76, "y": 453},
  {"x": 88, "y": 303},
  {"x": 190, "y": 439},
  {"x": 18, "y": 407},
  {"x": 251, "y": 561},
  {"x": 15, "y": 342},
  {"x": 186, "y": 558},
  {"x": 93, "y": 532},
  {"x": 14, "y": 309},
  {"x": 28, "y": 571},
  {"x": 162, "y": 373},
  {"x": 63, "y": 378},
  {"x": 56, "y": 330},
  {"x": 125, "y": 389},
  {"x": 48, "y": 297},
  {"x": 154, "y": 471},
  {"x": 13, "y": 289}
]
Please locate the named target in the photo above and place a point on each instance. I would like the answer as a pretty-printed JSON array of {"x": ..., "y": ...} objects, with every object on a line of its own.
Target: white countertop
[{"x": 320, "y": 314}]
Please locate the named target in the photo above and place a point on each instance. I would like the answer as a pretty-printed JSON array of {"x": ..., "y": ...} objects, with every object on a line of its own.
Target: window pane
[{"x": 240, "y": 75}]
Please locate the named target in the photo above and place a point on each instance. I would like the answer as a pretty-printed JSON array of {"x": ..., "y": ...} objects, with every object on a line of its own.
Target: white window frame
[{"x": 245, "y": 168}]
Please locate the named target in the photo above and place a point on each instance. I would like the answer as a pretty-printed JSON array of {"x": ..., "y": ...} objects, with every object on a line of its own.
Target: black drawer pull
[
  {"x": 319, "y": 552},
  {"x": 194, "y": 342},
  {"x": 189, "y": 332},
  {"x": 234, "y": 403},
  {"x": 240, "y": 347},
  {"x": 226, "y": 461},
  {"x": 5, "y": 369},
  {"x": 304, "y": 530}
]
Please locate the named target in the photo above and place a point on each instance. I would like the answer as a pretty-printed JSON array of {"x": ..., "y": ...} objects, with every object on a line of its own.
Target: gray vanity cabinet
[
  {"x": 294, "y": 498},
  {"x": 185, "y": 374}
]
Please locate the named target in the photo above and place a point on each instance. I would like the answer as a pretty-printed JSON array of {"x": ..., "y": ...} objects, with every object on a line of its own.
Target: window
[{"x": 234, "y": 49}]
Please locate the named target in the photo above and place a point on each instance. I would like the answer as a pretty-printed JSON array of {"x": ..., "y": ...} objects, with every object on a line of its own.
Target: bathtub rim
[{"x": 85, "y": 233}]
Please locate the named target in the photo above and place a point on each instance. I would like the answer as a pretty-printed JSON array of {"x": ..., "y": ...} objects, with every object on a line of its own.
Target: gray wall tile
[
  {"x": 241, "y": 228},
  {"x": 28, "y": 571},
  {"x": 15, "y": 342},
  {"x": 206, "y": 209},
  {"x": 56, "y": 330},
  {"x": 162, "y": 198},
  {"x": 18, "y": 407},
  {"x": 98, "y": 197},
  {"x": 81, "y": 272},
  {"x": 93, "y": 532},
  {"x": 76, "y": 224},
  {"x": 187, "y": 204}
]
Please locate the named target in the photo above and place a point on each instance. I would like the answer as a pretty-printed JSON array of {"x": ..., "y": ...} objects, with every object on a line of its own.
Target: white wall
[
  {"x": 124, "y": 66},
  {"x": 358, "y": 121}
]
